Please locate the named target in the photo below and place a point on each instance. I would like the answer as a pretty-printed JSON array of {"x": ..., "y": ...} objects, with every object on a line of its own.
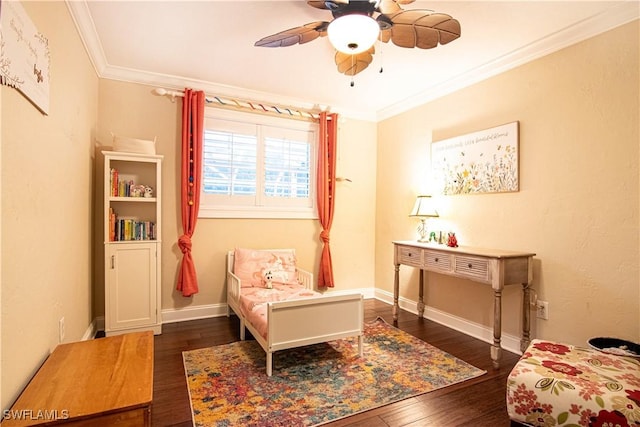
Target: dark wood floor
[{"x": 478, "y": 402}]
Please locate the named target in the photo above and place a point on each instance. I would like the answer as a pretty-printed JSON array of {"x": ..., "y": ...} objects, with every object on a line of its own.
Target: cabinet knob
[
  {"x": 470, "y": 265},
  {"x": 437, "y": 259}
]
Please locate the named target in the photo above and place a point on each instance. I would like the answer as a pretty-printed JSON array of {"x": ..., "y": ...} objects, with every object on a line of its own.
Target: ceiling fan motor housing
[{"x": 362, "y": 7}]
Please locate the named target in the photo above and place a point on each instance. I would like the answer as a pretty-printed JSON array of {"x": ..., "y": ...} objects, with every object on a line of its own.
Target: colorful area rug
[{"x": 315, "y": 384}]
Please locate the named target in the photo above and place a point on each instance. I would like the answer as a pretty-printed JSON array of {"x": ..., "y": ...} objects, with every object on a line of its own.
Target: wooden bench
[{"x": 104, "y": 381}]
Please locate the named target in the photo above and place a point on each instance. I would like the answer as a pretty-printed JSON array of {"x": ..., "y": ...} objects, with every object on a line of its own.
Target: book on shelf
[
  {"x": 130, "y": 229},
  {"x": 112, "y": 225},
  {"x": 113, "y": 181}
]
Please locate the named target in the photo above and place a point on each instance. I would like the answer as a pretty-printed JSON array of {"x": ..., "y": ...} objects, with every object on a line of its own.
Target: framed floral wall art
[{"x": 480, "y": 162}]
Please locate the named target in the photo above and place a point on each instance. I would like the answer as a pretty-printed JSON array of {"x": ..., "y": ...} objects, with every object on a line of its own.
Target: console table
[
  {"x": 99, "y": 382},
  {"x": 489, "y": 266}
]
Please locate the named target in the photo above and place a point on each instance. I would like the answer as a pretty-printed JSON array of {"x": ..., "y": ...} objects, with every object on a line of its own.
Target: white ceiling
[{"x": 209, "y": 45}]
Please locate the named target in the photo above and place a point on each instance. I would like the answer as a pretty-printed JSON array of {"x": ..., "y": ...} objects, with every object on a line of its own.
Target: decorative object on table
[
  {"x": 452, "y": 242},
  {"x": 615, "y": 346},
  {"x": 423, "y": 209},
  {"x": 432, "y": 237},
  {"x": 478, "y": 162},
  {"x": 357, "y": 25},
  {"x": 316, "y": 384}
]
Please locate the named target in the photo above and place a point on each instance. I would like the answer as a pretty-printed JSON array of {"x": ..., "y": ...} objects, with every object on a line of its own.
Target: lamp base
[{"x": 422, "y": 230}]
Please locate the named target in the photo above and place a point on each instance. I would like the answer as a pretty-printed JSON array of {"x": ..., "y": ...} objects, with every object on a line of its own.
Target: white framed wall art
[{"x": 480, "y": 162}]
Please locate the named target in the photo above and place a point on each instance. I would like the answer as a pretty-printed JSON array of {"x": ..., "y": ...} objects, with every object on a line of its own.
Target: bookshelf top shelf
[{"x": 137, "y": 157}]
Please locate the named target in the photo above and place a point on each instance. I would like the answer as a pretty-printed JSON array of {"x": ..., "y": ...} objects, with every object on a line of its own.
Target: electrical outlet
[
  {"x": 542, "y": 310},
  {"x": 61, "y": 329}
]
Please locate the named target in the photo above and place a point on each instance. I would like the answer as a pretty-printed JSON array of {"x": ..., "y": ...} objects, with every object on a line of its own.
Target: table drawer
[
  {"x": 437, "y": 261},
  {"x": 474, "y": 268},
  {"x": 410, "y": 256}
]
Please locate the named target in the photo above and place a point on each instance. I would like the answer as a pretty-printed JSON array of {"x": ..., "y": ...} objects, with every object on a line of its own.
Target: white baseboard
[
  {"x": 90, "y": 333},
  {"x": 508, "y": 342}
]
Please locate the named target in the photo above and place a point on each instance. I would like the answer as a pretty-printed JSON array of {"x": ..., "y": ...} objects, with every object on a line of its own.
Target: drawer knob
[
  {"x": 437, "y": 259},
  {"x": 410, "y": 254},
  {"x": 470, "y": 265}
]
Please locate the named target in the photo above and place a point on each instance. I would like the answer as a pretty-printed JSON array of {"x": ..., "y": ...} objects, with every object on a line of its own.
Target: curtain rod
[{"x": 244, "y": 105}]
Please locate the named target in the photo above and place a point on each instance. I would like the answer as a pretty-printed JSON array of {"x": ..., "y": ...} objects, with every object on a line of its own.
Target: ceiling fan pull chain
[
  {"x": 352, "y": 84},
  {"x": 381, "y": 55}
]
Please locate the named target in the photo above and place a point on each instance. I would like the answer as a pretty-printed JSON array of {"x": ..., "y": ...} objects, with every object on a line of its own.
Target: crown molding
[{"x": 79, "y": 11}]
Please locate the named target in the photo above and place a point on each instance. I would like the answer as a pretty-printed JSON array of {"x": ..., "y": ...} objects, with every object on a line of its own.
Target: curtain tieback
[
  {"x": 324, "y": 236},
  {"x": 184, "y": 243}
]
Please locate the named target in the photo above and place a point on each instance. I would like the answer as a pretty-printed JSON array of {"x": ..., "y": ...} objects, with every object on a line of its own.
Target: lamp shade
[
  {"x": 424, "y": 207},
  {"x": 353, "y": 33}
]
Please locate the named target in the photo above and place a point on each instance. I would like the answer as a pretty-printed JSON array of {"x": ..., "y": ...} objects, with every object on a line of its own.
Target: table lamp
[{"x": 423, "y": 209}]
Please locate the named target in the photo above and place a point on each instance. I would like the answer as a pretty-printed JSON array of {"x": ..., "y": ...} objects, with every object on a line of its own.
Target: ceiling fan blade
[
  {"x": 392, "y": 6},
  {"x": 449, "y": 30},
  {"x": 423, "y": 29},
  {"x": 303, "y": 34},
  {"x": 389, "y": 7},
  {"x": 353, "y": 64}
]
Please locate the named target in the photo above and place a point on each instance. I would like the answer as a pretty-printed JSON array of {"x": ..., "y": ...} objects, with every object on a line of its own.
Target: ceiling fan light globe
[{"x": 352, "y": 34}]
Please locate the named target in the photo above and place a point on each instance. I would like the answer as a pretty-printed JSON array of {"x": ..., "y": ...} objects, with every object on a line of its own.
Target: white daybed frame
[{"x": 300, "y": 322}]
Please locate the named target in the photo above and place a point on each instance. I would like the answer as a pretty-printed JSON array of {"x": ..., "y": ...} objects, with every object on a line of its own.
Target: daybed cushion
[
  {"x": 561, "y": 385},
  {"x": 250, "y": 264}
]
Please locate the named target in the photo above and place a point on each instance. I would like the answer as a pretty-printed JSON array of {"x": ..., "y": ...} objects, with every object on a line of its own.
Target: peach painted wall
[
  {"x": 577, "y": 207},
  {"x": 47, "y": 189}
]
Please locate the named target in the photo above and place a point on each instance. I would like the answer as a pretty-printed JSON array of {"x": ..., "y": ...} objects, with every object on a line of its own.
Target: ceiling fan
[{"x": 380, "y": 19}]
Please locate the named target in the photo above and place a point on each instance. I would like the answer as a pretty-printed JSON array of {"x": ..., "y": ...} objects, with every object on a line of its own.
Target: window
[{"x": 257, "y": 167}]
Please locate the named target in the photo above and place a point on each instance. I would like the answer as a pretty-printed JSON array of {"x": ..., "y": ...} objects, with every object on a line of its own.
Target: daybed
[{"x": 290, "y": 314}]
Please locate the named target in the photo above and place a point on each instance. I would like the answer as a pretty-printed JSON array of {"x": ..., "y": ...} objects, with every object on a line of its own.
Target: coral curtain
[
  {"x": 326, "y": 192},
  {"x": 192, "y": 139}
]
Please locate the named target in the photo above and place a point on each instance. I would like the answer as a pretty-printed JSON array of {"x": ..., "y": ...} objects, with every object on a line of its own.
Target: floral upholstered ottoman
[{"x": 561, "y": 385}]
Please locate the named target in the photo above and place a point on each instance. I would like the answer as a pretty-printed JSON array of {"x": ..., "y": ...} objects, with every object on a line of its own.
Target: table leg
[
  {"x": 421, "y": 295},
  {"x": 396, "y": 291},
  {"x": 526, "y": 317},
  {"x": 496, "y": 350}
]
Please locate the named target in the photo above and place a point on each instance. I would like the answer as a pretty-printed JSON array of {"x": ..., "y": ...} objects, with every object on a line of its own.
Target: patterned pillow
[{"x": 251, "y": 264}]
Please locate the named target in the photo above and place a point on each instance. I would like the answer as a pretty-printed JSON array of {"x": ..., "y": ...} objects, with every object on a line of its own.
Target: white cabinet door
[{"x": 131, "y": 288}]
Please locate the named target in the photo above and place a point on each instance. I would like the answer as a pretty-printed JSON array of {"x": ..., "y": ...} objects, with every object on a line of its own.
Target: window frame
[{"x": 219, "y": 206}]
